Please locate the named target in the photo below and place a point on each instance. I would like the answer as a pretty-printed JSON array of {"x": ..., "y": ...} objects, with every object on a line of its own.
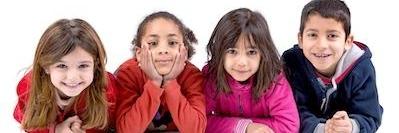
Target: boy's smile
[{"x": 323, "y": 43}]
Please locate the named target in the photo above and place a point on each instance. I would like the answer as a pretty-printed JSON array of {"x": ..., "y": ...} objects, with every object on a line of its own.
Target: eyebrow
[{"x": 80, "y": 62}]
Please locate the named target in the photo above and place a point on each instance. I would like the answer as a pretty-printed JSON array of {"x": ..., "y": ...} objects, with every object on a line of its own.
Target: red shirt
[
  {"x": 141, "y": 102},
  {"x": 23, "y": 93}
]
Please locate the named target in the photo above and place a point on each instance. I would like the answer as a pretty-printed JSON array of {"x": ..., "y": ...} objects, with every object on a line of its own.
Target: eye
[
  {"x": 61, "y": 66},
  {"x": 83, "y": 66},
  {"x": 252, "y": 52},
  {"x": 152, "y": 44},
  {"x": 311, "y": 35},
  {"x": 173, "y": 43},
  {"x": 231, "y": 51},
  {"x": 332, "y": 36}
]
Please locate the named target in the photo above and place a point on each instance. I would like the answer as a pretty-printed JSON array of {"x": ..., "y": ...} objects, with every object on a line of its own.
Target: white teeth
[{"x": 321, "y": 55}]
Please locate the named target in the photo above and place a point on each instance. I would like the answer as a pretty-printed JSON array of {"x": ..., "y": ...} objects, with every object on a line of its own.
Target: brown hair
[
  {"x": 188, "y": 35},
  {"x": 58, "y": 40},
  {"x": 254, "y": 27},
  {"x": 335, "y": 9}
]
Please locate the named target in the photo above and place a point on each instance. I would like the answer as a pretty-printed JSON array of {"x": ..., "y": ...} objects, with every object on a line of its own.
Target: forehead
[
  {"x": 77, "y": 55},
  {"x": 244, "y": 41},
  {"x": 319, "y": 23},
  {"x": 162, "y": 27}
]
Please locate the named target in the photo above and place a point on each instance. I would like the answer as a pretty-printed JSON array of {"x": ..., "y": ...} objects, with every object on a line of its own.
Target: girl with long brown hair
[{"x": 68, "y": 89}]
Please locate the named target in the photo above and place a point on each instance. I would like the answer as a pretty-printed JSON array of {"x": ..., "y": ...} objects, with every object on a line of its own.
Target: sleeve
[
  {"x": 186, "y": 102},
  {"x": 23, "y": 94},
  {"x": 216, "y": 122},
  {"x": 364, "y": 106},
  {"x": 111, "y": 93},
  {"x": 135, "y": 107},
  {"x": 283, "y": 113},
  {"x": 308, "y": 120}
]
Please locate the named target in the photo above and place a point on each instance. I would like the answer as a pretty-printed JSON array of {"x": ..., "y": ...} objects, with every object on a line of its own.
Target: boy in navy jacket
[{"x": 332, "y": 75}]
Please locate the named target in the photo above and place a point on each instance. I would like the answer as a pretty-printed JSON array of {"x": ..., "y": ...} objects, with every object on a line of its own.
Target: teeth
[{"x": 321, "y": 55}]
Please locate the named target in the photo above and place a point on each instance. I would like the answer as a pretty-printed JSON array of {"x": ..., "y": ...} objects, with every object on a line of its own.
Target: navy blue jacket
[{"x": 356, "y": 91}]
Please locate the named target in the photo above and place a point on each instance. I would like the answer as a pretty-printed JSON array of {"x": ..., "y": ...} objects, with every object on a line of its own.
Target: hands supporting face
[
  {"x": 258, "y": 128},
  {"x": 339, "y": 123},
  {"x": 146, "y": 64},
  {"x": 71, "y": 125}
]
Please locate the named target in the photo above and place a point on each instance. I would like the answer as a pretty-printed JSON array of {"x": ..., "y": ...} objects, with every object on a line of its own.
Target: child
[
  {"x": 245, "y": 88},
  {"x": 161, "y": 90},
  {"x": 67, "y": 89},
  {"x": 333, "y": 77}
]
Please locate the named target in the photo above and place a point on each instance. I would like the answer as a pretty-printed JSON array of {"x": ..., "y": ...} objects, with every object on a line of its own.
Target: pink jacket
[{"x": 232, "y": 112}]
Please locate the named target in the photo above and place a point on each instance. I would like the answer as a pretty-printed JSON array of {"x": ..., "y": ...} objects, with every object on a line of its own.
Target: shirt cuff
[
  {"x": 242, "y": 125},
  {"x": 319, "y": 128},
  {"x": 355, "y": 126}
]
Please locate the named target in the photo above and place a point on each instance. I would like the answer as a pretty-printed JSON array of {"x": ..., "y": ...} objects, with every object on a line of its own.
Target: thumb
[
  {"x": 73, "y": 119},
  {"x": 340, "y": 115}
]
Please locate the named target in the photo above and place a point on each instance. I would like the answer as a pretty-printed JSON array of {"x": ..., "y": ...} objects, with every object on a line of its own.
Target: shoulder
[{"x": 24, "y": 84}]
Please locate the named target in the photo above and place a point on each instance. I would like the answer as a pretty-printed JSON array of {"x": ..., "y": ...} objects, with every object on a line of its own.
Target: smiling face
[
  {"x": 72, "y": 73},
  {"x": 242, "y": 61},
  {"x": 164, "y": 40},
  {"x": 323, "y": 43}
]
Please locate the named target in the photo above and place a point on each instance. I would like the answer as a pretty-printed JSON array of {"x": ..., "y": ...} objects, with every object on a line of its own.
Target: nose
[
  {"x": 162, "y": 48},
  {"x": 242, "y": 60},
  {"x": 322, "y": 43},
  {"x": 72, "y": 75}
]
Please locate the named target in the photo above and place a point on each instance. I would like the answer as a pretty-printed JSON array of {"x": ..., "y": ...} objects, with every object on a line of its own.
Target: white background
[{"x": 23, "y": 22}]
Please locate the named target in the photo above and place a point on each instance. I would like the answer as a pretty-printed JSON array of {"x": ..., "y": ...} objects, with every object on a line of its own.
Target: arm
[
  {"x": 364, "y": 107},
  {"x": 282, "y": 108},
  {"x": 136, "y": 105},
  {"x": 186, "y": 101},
  {"x": 306, "y": 105},
  {"x": 218, "y": 123}
]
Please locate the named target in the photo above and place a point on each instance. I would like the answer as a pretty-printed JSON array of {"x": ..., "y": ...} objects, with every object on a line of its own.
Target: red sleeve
[
  {"x": 111, "y": 94},
  {"x": 23, "y": 88},
  {"x": 138, "y": 99},
  {"x": 186, "y": 101},
  {"x": 22, "y": 92}
]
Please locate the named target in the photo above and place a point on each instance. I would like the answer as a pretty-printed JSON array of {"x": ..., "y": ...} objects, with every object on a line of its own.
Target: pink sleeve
[
  {"x": 283, "y": 111},
  {"x": 218, "y": 123}
]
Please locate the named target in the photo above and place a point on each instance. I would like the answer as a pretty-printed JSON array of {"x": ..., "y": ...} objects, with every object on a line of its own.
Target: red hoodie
[
  {"x": 23, "y": 93},
  {"x": 142, "y": 105}
]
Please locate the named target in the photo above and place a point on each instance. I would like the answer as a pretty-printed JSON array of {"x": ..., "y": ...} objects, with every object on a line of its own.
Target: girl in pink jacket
[{"x": 245, "y": 88}]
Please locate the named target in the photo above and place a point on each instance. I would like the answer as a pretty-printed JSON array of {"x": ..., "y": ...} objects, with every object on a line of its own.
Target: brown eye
[
  {"x": 231, "y": 51},
  {"x": 62, "y": 66}
]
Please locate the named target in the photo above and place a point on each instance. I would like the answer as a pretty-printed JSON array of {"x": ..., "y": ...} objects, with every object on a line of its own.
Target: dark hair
[
  {"x": 335, "y": 9},
  {"x": 253, "y": 26},
  {"x": 188, "y": 35}
]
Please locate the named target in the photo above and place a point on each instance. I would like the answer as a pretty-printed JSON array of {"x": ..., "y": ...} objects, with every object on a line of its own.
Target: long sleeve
[
  {"x": 216, "y": 122},
  {"x": 136, "y": 106},
  {"x": 23, "y": 95},
  {"x": 283, "y": 113},
  {"x": 186, "y": 102},
  {"x": 364, "y": 106}
]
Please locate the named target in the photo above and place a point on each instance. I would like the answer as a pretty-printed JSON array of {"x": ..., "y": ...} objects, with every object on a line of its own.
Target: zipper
[{"x": 240, "y": 105}]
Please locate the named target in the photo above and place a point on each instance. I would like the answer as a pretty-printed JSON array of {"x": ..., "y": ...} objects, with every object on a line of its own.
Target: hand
[
  {"x": 144, "y": 58},
  {"x": 70, "y": 125},
  {"x": 340, "y": 122},
  {"x": 178, "y": 66},
  {"x": 258, "y": 128}
]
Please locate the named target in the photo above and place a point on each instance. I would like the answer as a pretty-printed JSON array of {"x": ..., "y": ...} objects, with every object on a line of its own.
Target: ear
[
  {"x": 46, "y": 70},
  {"x": 137, "y": 51},
  {"x": 349, "y": 42},
  {"x": 300, "y": 40}
]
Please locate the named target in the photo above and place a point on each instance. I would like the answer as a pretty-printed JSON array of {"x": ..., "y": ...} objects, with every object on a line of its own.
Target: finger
[
  {"x": 72, "y": 119},
  {"x": 77, "y": 128},
  {"x": 340, "y": 129},
  {"x": 340, "y": 115},
  {"x": 341, "y": 123}
]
